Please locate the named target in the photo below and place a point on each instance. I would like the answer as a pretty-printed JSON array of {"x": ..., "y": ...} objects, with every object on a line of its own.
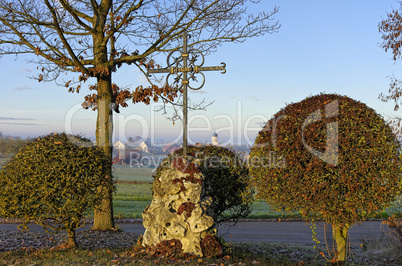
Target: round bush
[
  {"x": 226, "y": 179},
  {"x": 335, "y": 158},
  {"x": 54, "y": 181}
]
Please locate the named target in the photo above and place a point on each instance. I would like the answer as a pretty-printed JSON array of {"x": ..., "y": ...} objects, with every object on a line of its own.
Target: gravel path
[
  {"x": 89, "y": 239},
  {"x": 14, "y": 240}
]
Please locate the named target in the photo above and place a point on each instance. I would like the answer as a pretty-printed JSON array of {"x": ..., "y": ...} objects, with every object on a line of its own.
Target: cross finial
[{"x": 184, "y": 68}]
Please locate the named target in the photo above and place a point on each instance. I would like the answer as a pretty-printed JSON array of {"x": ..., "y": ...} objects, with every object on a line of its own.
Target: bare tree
[
  {"x": 93, "y": 38},
  {"x": 390, "y": 27}
]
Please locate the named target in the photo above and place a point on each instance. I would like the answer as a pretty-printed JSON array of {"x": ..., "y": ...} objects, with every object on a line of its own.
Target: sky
[{"x": 322, "y": 46}]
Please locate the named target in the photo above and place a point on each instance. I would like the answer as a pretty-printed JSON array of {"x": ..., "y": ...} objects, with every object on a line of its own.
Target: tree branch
[
  {"x": 76, "y": 14},
  {"x": 123, "y": 21},
  {"x": 65, "y": 42}
]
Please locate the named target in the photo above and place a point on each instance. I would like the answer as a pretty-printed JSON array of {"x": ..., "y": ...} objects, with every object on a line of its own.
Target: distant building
[
  {"x": 123, "y": 154},
  {"x": 144, "y": 147},
  {"x": 215, "y": 139},
  {"x": 118, "y": 145}
]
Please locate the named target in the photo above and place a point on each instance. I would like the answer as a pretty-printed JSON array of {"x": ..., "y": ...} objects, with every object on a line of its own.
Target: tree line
[{"x": 10, "y": 146}]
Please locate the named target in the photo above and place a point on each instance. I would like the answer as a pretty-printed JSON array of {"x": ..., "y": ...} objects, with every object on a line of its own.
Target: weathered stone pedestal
[{"x": 178, "y": 209}]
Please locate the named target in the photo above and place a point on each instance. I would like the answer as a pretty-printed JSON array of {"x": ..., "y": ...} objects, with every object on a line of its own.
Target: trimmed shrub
[
  {"x": 226, "y": 179},
  {"x": 54, "y": 181},
  {"x": 335, "y": 159}
]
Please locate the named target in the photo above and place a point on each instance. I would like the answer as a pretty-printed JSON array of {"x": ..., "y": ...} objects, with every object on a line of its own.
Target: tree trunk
[
  {"x": 72, "y": 243},
  {"x": 340, "y": 234},
  {"x": 103, "y": 217}
]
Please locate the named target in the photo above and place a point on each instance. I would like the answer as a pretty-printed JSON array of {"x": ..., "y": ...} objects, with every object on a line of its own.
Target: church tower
[{"x": 215, "y": 139}]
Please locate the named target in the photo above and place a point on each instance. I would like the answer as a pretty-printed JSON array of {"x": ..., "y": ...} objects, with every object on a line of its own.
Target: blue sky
[{"x": 322, "y": 46}]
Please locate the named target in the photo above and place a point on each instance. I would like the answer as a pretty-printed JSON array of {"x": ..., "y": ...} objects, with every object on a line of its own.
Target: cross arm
[
  {"x": 196, "y": 69},
  {"x": 213, "y": 68}
]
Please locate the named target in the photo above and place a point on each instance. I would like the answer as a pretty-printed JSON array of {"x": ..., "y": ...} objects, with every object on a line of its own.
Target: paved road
[
  {"x": 296, "y": 232},
  {"x": 286, "y": 232}
]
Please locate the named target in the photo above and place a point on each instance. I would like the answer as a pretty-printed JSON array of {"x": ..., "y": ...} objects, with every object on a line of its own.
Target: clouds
[
  {"x": 19, "y": 124},
  {"x": 24, "y": 70},
  {"x": 200, "y": 91},
  {"x": 14, "y": 118},
  {"x": 252, "y": 98},
  {"x": 247, "y": 98},
  {"x": 23, "y": 88},
  {"x": 16, "y": 121}
]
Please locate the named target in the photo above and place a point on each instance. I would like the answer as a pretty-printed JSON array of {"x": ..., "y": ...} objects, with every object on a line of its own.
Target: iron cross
[{"x": 184, "y": 67}]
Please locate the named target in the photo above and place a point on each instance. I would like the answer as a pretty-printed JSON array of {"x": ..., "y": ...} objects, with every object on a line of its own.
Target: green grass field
[
  {"x": 127, "y": 173},
  {"x": 134, "y": 193}
]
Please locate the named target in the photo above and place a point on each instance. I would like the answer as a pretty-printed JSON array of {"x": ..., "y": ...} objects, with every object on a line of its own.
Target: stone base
[{"x": 178, "y": 210}]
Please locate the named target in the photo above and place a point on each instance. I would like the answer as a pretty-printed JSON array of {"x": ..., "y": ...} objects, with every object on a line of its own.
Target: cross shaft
[{"x": 180, "y": 67}]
